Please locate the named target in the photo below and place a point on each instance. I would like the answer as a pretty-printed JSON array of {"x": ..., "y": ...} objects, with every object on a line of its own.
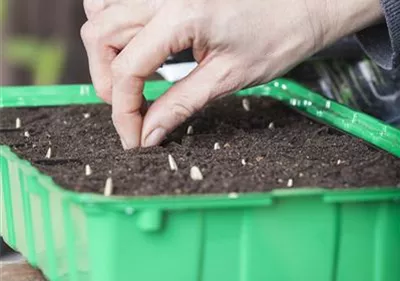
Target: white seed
[
  {"x": 65, "y": 122},
  {"x": 48, "y": 153},
  {"x": 233, "y": 195},
  {"x": 26, "y": 134},
  {"x": 301, "y": 175},
  {"x": 196, "y": 174},
  {"x": 227, "y": 145},
  {"x": 88, "y": 170},
  {"x": 290, "y": 183},
  {"x": 110, "y": 172},
  {"x": 271, "y": 126},
  {"x": 259, "y": 158},
  {"x": 244, "y": 162},
  {"x": 280, "y": 180},
  {"x": 86, "y": 115},
  {"x": 172, "y": 163},
  {"x": 246, "y": 104},
  {"x": 108, "y": 188},
  {"x": 217, "y": 146},
  {"x": 339, "y": 162},
  {"x": 17, "y": 123},
  {"x": 190, "y": 130}
]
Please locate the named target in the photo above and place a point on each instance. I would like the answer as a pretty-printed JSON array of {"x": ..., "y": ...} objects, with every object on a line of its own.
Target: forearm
[{"x": 339, "y": 18}]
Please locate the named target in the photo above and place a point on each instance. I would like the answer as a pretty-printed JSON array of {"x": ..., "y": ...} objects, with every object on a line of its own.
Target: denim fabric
[{"x": 382, "y": 42}]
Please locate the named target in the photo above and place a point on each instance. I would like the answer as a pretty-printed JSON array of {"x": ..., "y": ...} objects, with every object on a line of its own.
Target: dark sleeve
[{"x": 382, "y": 42}]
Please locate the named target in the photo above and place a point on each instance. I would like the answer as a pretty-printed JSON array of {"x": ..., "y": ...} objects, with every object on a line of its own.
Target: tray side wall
[{"x": 291, "y": 238}]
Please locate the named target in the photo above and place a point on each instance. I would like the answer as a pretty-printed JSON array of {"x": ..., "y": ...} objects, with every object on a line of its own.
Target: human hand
[{"x": 237, "y": 44}]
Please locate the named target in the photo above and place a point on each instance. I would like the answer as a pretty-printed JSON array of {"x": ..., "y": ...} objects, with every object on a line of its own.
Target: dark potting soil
[{"x": 252, "y": 158}]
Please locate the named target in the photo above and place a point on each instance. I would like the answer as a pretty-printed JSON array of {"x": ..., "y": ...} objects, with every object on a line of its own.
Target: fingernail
[
  {"x": 124, "y": 145},
  {"x": 155, "y": 137}
]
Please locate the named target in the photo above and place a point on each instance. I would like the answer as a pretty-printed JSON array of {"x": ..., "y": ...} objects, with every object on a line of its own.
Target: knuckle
[
  {"x": 181, "y": 110},
  {"x": 88, "y": 6},
  {"x": 92, "y": 7},
  {"x": 88, "y": 32},
  {"x": 226, "y": 81}
]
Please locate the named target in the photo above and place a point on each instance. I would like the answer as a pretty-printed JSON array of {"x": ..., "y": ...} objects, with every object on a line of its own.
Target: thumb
[{"x": 208, "y": 81}]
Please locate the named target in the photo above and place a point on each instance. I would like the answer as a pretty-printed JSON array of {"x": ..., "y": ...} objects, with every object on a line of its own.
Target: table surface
[{"x": 19, "y": 271}]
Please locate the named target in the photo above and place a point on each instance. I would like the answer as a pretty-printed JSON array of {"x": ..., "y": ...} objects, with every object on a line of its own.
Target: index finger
[{"x": 139, "y": 59}]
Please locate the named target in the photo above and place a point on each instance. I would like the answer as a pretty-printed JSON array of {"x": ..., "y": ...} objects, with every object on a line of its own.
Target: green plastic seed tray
[{"x": 308, "y": 234}]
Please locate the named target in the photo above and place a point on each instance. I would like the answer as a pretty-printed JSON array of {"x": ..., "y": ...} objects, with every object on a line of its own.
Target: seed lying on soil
[
  {"x": 88, "y": 170},
  {"x": 246, "y": 104},
  {"x": 17, "y": 123},
  {"x": 196, "y": 174},
  {"x": 48, "y": 153},
  {"x": 172, "y": 163},
  {"x": 280, "y": 180},
  {"x": 108, "y": 188},
  {"x": 259, "y": 158},
  {"x": 233, "y": 195},
  {"x": 244, "y": 162},
  {"x": 190, "y": 130},
  {"x": 271, "y": 126},
  {"x": 26, "y": 134},
  {"x": 86, "y": 115},
  {"x": 301, "y": 175},
  {"x": 339, "y": 162},
  {"x": 217, "y": 146},
  {"x": 290, "y": 183},
  {"x": 227, "y": 145}
]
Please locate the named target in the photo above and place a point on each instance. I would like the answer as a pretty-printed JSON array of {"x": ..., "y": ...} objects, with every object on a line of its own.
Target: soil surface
[{"x": 253, "y": 157}]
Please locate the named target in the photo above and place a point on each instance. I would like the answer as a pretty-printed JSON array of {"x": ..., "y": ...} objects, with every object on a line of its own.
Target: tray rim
[
  {"x": 358, "y": 124},
  {"x": 288, "y": 92}
]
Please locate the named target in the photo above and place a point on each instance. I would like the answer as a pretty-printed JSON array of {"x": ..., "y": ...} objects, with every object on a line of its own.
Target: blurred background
[{"x": 40, "y": 42}]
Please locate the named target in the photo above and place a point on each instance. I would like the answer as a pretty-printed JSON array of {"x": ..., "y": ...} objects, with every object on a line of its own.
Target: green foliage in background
[
  {"x": 45, "y": 59},
  {"x": 3, "y": 9}
]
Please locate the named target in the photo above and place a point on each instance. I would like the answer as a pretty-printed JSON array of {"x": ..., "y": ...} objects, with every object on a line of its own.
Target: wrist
[{"x": 339, "y": 18}]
